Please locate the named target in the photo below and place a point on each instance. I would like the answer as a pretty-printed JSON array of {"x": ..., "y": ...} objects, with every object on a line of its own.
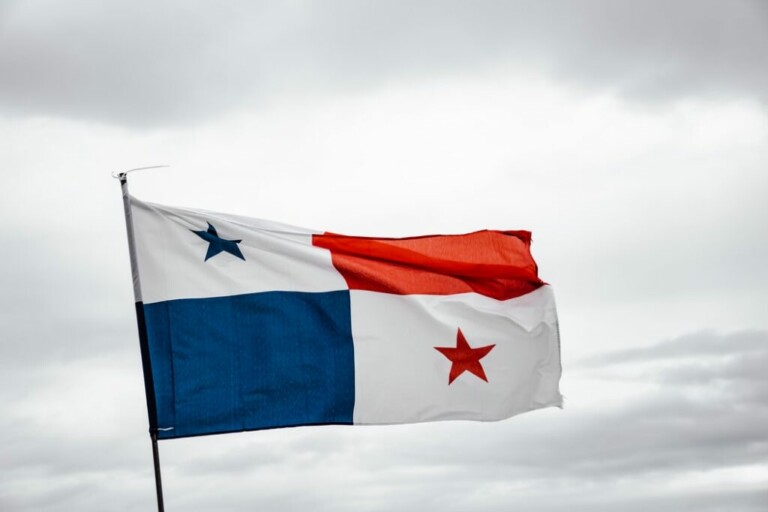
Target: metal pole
[
  {"x": 158, "y": 479},
  {"x": 148, "y": 385}
]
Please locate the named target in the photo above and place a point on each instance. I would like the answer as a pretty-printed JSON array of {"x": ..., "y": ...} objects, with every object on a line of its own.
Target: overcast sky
[{"x": 631, "y": 138}]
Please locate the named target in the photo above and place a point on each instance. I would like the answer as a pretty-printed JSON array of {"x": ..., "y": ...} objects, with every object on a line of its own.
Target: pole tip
[{"x": 123, "y": 175}]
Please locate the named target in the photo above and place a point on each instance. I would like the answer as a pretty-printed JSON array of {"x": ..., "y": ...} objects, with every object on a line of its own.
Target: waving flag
[{"x": 248, "y": 324}]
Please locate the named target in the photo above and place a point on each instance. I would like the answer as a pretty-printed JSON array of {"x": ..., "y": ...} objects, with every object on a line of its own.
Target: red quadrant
[{"x": 497, "y": 264}]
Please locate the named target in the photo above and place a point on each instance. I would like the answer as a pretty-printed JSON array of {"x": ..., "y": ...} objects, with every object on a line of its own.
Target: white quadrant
[
  {"x": 401, "y": 378},
  {"x": 171, "y": 258}
]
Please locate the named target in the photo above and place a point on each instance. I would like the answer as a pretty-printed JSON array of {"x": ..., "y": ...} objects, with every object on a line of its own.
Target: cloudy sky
[{"x": 631, "y": 138}]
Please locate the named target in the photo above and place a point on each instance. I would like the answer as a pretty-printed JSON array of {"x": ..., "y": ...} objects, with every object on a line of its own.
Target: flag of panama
[{"x": 248, "y": 324}]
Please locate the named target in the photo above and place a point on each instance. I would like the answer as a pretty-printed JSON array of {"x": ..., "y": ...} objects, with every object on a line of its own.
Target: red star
[{"x": 465, "y": 358}]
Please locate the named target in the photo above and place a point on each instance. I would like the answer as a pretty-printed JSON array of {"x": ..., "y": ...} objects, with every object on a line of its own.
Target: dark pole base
[{"x": 158, "y": 480}]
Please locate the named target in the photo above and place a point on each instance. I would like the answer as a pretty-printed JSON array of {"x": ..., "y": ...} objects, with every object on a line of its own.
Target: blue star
[{"x": 218, "y": 244}]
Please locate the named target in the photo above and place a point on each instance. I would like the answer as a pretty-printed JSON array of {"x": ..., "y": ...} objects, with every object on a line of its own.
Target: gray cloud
[
  {"x": 59, "y": 309},
  {"x": 747, "y": 344},
  {"x": 150, "y": 64}
]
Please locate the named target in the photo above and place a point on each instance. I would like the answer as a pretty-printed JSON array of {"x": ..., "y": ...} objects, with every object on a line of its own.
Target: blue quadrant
[{"x": 249, "y": 362}]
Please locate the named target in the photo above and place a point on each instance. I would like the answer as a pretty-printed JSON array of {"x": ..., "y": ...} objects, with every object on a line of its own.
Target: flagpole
[
  {"x": 148, "y": 381},
  {"x": 158, "y": 479}
]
